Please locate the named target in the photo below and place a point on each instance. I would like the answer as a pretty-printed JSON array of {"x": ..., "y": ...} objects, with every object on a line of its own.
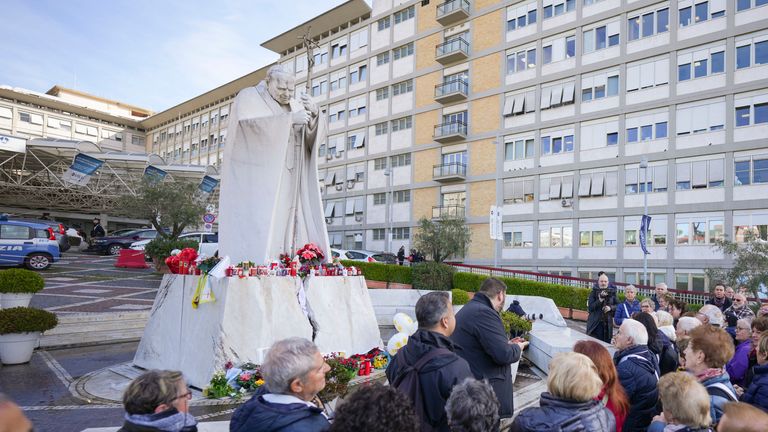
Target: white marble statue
[{"x": 270, "y": 172}]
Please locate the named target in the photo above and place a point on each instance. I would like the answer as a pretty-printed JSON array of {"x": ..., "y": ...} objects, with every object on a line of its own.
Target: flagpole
[{"x": 644, "y": 166}]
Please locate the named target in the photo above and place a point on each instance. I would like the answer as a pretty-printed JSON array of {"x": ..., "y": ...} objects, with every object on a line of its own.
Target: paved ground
[{"x": 51, "y": 388}]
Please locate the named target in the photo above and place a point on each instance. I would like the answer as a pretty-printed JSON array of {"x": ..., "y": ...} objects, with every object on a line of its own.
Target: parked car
[
  {"x": 364, "y": 255},
  {"x": 208, "y": 243},
  {"x": 27, "y": 243},
  {"x": 59, "y": 230},
  {"x": 111, "y": 244}
]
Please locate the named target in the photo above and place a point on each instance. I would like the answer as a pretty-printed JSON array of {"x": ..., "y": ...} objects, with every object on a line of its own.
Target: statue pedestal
[{"x": 248, "y": 316}]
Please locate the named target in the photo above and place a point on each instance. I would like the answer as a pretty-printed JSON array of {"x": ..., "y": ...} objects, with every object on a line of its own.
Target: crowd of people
[{"x": 673, "y": 370}]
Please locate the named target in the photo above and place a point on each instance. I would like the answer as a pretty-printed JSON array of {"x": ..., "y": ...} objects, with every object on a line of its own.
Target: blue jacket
[
  {"x": 625, "y": 310},
  {"x": 757, "y": 393},
  {"x": 564, "y": 415},
  {"x": 717, "y": 403},
  {"x": 481, "y": 335},
  {"x": 638, "y": 374},
  {"x": 262, "y": 416}
]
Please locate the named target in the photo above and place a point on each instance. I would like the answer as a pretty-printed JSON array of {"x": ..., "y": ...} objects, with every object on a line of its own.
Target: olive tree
[
  {"x": 168, "y": 205},
  {"x": 443, "y": 238},
  {"x": 750, "y": 262}
]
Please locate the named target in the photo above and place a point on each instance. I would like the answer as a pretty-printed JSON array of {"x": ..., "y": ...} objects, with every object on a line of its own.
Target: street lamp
[
  {"x": 390, "y": 198},
  {"x": 644, "y": 227}
]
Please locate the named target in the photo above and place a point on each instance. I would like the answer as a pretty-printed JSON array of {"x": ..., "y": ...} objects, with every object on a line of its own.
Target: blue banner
[
  {"x": 154, "y": 174},
  {"x": 208, "y": 184},
  {"x": 645, "y": 224},
  {"x": 83, "y": 166}
]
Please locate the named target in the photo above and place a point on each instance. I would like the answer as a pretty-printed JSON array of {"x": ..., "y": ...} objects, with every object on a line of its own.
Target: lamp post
[
  {"x": 644, "y": 166},
  {"x": 390, "y": 198}
]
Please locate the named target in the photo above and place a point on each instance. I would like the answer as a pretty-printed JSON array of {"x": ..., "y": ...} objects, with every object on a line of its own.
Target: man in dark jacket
[
  {"x": 294, "y": 372},
  {"x": 480, "y": 333},
  {"x": 98, "y": 230},
  {"x": 602, "y": 307},
  {"x": 638, "y": 373},
  {"x": 437, "y": 376},
  {"x": 719, "y": 299}
]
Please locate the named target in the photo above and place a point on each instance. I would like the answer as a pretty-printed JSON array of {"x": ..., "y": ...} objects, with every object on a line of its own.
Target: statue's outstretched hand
[
  {"x": 310, "y": 106},
  {"x": 300, "y": 118}
]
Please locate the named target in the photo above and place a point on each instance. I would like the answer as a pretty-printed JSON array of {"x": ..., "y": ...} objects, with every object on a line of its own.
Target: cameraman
[{"x": 602, "y": 307}]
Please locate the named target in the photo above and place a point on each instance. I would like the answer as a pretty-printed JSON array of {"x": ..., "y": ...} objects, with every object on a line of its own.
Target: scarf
[
  {"x": 709, "y": 373},
  {"x": 163, "y": 421}
]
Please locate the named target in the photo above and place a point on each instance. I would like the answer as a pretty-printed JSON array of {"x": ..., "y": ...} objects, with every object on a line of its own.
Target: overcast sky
[{"x": 150, "y": 53}]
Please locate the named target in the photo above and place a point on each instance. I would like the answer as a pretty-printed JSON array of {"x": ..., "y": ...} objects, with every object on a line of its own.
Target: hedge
[
  {"x": 382, "y": 272},
  {"x": 459, "y": 297},
  {"x": 433, "y": 276},
  {"x": 562, "y": 295}
]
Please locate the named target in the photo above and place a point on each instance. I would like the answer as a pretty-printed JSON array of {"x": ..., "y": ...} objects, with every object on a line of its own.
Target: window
[
  {"x": 751, "y": 170},
  {"x": 742, "y": 5},
  {"x": 382, "y": 128},
  {"x": 402, "y": 87},
  {"x": 692, "y": 12},
  {"x": 26, "y": 118},
  {"x": 379, "y": 234},
  {"x": 612, "y": 138},
  {"x": 401, "y": 160},
  {"x": 403, "y": 51},
  {"x": 358, "y": 39},
  {"x": 700, "y": 63},
  {"x": 401, "y": 233},
  {"x": 700, "y": 174},
  {"x": 521, "y": 16},
  {"x": 515, "y": 240},
  {"x": 598, "y": 184},
  {"x": 15, "y": 232},
  {"x": 521, "y": 60},
  {"x": 518, "y": 191},
  {"x": 556, "y": 237},
  {"x": 647, "y": 132},
  {"x": 339, "y": 80},
  {"x": 382, "y": 93},
  {"x": 357, "y": 106},
  {"x": 553, "y": 8},
  {"x": 750, "y": 52},
  {"x": 751, "y": 111},
  {"x": 382, "y": 59},
  {"x": 321, "y": 57},
  {"x": 601, "y": 37},
  {"x": 591, "y": 239},
  {"x": 599, "y": 86},
  {"x": 401, "y": 196},
  {"x": 635, "y": 179},
  {"x": 556, "y": 95},
  {"x": 380, "y": 164},
  {"x": 519, "y": 149},
  {"x": 556, "y": 143},
  {"x": 558, "y": 49},
  {"x": 339, "y": 49},
  {"x": 402, "y": 123},
  {"x": 358, "y": 74},
  {"x": 698, "y": 231},
  {"x": 319, "y": 87},
  {"x": 336, "y": 113},
  {"x": 701, "y": 116},
  {"x": 520, "y": 103},
  {"x": 404, "y": 14},
  {"x": 384, "y": 23}
]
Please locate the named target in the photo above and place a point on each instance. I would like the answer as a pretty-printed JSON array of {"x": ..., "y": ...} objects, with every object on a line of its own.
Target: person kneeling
[{"x": 158, "y": 400}]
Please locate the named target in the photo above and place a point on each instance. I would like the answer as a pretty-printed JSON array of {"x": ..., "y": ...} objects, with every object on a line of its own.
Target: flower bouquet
[
  {"x": 207, "y": 264},
  {"x": 342, "y": 371},
  {"x": 310, "y": 255},
  {"x": 181, "y": 261}
]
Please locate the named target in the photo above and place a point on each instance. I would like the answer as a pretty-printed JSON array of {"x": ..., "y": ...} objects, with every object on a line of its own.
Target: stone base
[{"x": 248, "y": 316}]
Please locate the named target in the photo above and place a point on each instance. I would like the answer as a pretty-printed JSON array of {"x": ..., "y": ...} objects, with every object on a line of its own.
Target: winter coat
[
  {"x": 555, "y": 414},
  {"x": 757, "y": 392},
  {"x": 481, "y": 335},
  {"x": 620, "y": 417},
  {"x": 716, "y": 402},
  {"x": 665, "y": 353},
  {"x": 739, "y": 363},
  {"x": 625, "y": 310},
  {"x": 638, "y": 373},
  {"x": 259, "y": 415},
  {"x": 599, "y": 323},
  {"x": 168, "y": 420},
  {"x": 659, "y": 426},
  {"x": 723, "y": 306},
  {"x": 437, "y": 377}
]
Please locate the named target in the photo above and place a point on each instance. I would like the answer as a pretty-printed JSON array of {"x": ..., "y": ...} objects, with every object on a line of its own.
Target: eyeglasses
[
  {"x": 742, "y": 328},
  {"x": 187, "y": 395}
]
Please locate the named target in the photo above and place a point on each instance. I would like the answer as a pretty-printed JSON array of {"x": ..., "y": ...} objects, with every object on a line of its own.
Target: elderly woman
[
  {"x": 757, "y": 393},
  {"x": 158, "y": 400},
  {"x": 686, "y": 405},
  {"x": 708, "y": 350},
  {"x": 665, "y": 322},
  {"x": 294, "y": 372},
  {"x": 647, "y": 305},
  {"x": 738, "y": 365},
  {"x": 572, "y": 385},
  {"x": 628, "y": 307}
]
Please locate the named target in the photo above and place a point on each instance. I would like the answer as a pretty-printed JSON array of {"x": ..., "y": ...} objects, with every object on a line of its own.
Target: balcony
[
  {"x": 452, "y": 211},
  {"x": 452, "y": 12},
  {"x": 448, "y": 172},
  {"x": 452, "y": 91},
  {"x": 451, "y": 131},
  {"x": 452, "y": 51}
]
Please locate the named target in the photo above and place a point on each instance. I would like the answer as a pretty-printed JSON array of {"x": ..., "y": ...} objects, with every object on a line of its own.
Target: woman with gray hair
[
  {"x": 473, "y": 407},
  {"x": 294, "y": 372},
  {"x": 158, "y": 400}
]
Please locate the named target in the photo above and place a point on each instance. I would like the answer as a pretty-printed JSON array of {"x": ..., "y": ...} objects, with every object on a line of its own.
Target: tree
[
  {"x": 443, "y": 238},
  {"x": 168, "y": 205},
  {"x": 750, "y": 263}
]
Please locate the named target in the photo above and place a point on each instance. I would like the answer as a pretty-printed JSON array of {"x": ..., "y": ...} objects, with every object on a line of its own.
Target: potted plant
[
  {"x": 20, "y": 330},
  {"x": 515, "y": 326},
  {"x": 17, "y": 287}
]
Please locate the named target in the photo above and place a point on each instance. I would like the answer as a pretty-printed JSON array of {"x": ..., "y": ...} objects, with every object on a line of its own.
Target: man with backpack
[{"x": 427, "y": 367}]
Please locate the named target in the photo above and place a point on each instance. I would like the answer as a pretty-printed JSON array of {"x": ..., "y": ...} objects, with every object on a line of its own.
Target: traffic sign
[
  {"x": 208, "y": 227},
  {"x": 209, "y": 218}
]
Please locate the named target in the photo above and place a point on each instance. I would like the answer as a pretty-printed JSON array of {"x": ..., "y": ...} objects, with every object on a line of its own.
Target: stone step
[{"x": 94, "y": 328}]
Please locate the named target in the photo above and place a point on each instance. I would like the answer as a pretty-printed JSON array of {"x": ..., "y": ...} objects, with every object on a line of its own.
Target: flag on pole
[{"x": 645, "y": 224}]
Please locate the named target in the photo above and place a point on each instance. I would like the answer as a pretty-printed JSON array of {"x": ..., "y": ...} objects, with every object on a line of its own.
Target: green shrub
[
  {"x": 563, "y": 295},
  {"x": 433, "y": 276},
  {"x": 694, "y": 307},
  {"x": 459, "y": 297},
  {"x": 468, "y": 281},
  {"x": 26, "y": 319},
  {"x": 20, "y": 281},
  {"x": 161, "y": 248},
  {"x": 515, "y": 325},
  {"x": 382, "y": 272}
]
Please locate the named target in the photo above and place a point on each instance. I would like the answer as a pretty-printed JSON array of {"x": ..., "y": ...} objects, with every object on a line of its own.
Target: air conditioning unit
[
  {"x": 328, "y": 220},
  {"x": 566, "y": 203},
  {"x": 358, "y": 218},
  {"x": 328, "y": 156},
  {"x": 339, "y": 186},
  {"x": 350, "y": 183}
]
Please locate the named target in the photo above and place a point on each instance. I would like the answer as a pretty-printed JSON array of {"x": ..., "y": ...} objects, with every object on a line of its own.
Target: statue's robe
[{"x": 258, "y": 181}]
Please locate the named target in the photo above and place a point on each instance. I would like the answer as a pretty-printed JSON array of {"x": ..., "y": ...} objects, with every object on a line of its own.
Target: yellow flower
[{"x": 259, "y": 382}]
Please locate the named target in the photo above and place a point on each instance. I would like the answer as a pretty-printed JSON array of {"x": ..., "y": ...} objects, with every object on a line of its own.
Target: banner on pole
[
  {"x": 208, "y": 184},
  {"x": 81, "y": 170},
  {"x": 494, "y": 223},
  {"x": 645, "y": 224},
  {"x": 13, "y": 144},
  {"x": 154, "y": 174}
]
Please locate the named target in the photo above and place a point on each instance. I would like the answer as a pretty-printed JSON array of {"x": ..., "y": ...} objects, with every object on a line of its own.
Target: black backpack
[{"x": 408, "y": 383}]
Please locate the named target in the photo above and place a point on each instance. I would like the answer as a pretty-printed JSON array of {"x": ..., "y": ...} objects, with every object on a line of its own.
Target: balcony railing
[
  {"x": 452, "y": 11},
  {"x": 452, "y": 51},
  {"x": 451, "y": 91},
  {"x": 449, "y": 171},
  {"x": 452, "y": 211},
  {"x": 451, "y": 131}
]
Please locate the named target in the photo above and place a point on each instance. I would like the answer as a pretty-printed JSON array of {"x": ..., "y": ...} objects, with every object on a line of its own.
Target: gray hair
[
  {"x": 287, "y": 360},
  {"x": 713, "y": 313},
  {"x": 630, "y": 288},
  {"x": 431, "y": 308},
  {"x": 687, "y": 324},
  {"x": 279, "y": 69},
  {"x": 635, "y": 330},
  {"x": 473, "y": 407}
]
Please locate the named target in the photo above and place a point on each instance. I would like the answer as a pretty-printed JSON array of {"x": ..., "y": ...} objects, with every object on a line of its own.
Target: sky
[{"x": 152, "y": 54}]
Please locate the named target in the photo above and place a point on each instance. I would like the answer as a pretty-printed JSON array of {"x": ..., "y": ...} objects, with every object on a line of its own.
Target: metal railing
[
  {"x": 457, "y": 85},
  {"x": 450, "y": 128},
  {"x": 452, "y": 46},
  {"x": 439, "y": 212},
  {"x": 449, "y": 169},
  {"x": 451, "y": 6}
]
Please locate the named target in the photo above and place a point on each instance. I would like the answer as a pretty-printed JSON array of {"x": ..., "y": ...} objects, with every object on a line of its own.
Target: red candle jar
[{"x": 228, "y": 271}]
